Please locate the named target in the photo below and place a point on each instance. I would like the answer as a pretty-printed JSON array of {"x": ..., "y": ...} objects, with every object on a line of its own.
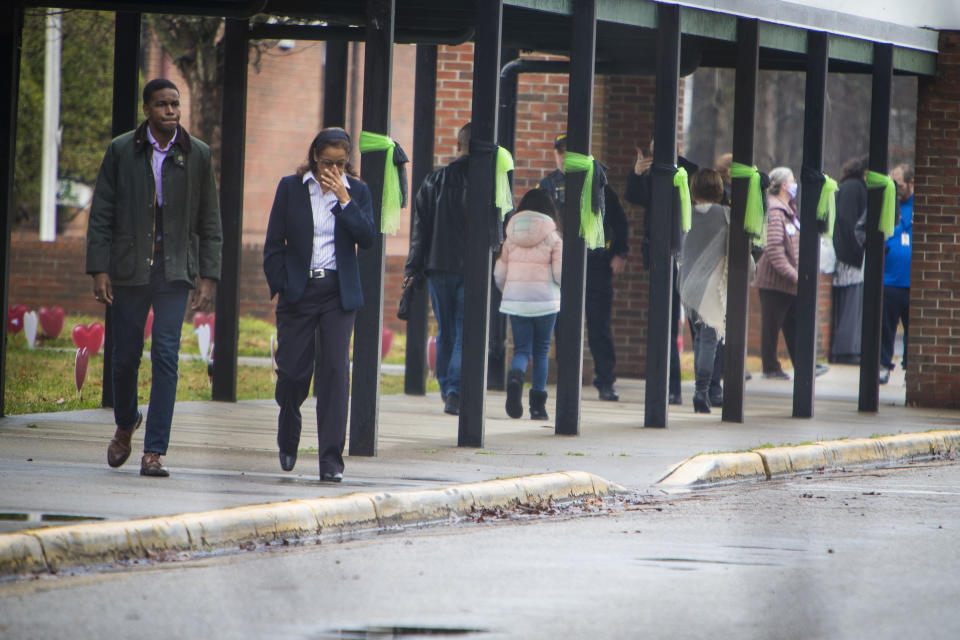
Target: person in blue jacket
[
  {"x": 896, "y": 273},
  {"x": 320, "y": 215}
]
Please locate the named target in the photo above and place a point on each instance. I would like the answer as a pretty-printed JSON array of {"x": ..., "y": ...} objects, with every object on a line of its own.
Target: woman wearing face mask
[{"x": 777, "y": 272}]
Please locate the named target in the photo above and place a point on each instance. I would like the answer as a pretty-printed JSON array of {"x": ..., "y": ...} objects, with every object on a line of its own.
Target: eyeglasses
[{"x": 340, "y": 164}]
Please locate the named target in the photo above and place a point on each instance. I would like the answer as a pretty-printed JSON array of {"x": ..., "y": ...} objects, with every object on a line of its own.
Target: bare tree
[{"x": 195, "y": 44}]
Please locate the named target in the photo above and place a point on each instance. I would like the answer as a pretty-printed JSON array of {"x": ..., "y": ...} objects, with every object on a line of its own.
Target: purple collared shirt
[{"x": 156, "y": 161}]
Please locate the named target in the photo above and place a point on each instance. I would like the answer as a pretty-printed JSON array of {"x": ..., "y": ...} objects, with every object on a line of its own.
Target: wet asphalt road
[{"x": 871, "y": 554}]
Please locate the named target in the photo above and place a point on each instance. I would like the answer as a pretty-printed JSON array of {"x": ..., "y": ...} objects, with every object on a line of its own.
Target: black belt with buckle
[{"x": 322, "y": 273}]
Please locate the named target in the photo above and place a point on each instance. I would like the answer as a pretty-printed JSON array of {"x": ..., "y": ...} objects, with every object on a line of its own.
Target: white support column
[{"x": 51, "y": 127}]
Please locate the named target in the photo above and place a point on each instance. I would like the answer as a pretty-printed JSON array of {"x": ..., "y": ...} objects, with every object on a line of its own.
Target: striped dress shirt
[{"x": 324, "y": 222}]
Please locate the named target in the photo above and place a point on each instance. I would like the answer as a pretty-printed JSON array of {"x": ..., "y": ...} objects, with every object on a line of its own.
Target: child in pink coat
[{"x": 528, "y": 273}]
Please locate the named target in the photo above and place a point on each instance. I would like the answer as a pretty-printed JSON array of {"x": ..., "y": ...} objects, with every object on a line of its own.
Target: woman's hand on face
[{"x": 331, "y": 179}]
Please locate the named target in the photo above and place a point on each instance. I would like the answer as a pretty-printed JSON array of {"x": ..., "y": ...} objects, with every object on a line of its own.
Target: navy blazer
[{"x": 288, "y": 249}]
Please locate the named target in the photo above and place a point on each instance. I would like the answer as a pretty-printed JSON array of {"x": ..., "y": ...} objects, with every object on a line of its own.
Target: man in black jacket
[
  {"x": 437, "y": 245},
  {"x": 601, "y": 265},
  {"x": 640, "y": 191}
]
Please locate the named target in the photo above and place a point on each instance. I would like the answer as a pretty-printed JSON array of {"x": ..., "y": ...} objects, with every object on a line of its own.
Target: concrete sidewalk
[{"x": 224, "y": 455}]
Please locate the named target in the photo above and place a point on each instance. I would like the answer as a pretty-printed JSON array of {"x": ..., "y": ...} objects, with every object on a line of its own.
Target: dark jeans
[
  {"x": 297, "y": 328},
  {"x": 777, "y": 312},
  {"x": 705, "y": 343},
  {"x": 717, "y": 377},
  {"x": 531, "y": 339},
  {"x": 129, "y": 315},
  {"x": 446, "y": 295},
  {"x": 598, "y": 302},
  {"x": 896, "y": 309}
]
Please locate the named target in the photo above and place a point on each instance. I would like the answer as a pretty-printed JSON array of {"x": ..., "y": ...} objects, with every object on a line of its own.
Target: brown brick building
[{"x": 284, "y": 112}]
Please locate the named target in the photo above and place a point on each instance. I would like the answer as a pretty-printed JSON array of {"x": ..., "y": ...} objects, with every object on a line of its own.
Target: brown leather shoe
[
  {"x": 150, "y": 465},
  {"x": 119, "y": 449}
]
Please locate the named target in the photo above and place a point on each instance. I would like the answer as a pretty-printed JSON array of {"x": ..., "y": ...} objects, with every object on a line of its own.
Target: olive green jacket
[{"x": 120, "y": 233}]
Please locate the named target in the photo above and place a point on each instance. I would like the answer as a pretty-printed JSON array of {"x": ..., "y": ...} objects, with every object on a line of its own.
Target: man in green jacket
[{"x": 153, "y": 240}]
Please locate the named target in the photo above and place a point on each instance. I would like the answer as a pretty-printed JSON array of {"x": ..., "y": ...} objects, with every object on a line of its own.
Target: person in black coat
[
  {"x": 438, "y": 240},
  {"x": 320, "y": 216},
  {"x": 602, "y": 263},
  {"x": 640, "y": 191},
  {"x": 849, "y": 238}
]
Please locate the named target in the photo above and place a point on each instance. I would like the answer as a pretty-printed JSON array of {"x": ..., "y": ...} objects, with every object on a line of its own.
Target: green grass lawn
[{"x": 42, "y": 379}]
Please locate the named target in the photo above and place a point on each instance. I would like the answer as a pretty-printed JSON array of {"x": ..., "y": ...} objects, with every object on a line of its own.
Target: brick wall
[
  {"x": 278, "y": 126},
  {"x": 933, "y": 373},
  {"x": 43, "y": 274}
]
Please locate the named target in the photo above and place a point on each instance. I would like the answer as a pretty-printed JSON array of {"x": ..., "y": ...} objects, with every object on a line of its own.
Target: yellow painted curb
[
  {"x": 843, "y": 453},
  {"x": 715, "y": 468},
  {"x": 722, "y": 468},
  {"x": 21, "y": 553},
  {"x": 780, "y": 461},
  {"x": 55, "y": 548}
]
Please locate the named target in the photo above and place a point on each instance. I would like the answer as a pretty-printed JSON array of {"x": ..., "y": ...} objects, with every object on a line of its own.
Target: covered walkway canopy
[{"x": 599, "y": 36}]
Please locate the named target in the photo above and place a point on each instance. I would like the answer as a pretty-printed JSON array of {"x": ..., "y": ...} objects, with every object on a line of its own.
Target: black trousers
[
  {"x": 297, "y": 328},
  {"x": 777, "y": 312},
  {"x": 598, "y": 302},
  {"x": 673, "y": 380},
  {"x": 896, "y": 309},
  {"x": 847, "y": 319}
]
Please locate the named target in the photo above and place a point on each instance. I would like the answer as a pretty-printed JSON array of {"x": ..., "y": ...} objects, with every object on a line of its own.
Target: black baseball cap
[{"x": 560, "y": 140}]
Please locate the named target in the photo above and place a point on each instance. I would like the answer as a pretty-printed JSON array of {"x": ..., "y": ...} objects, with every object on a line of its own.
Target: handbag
[{"x": 406, "y": 297}]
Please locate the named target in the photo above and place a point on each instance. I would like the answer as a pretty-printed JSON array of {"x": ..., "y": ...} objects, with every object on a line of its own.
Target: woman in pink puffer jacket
[{"x": 528, "y": 274}]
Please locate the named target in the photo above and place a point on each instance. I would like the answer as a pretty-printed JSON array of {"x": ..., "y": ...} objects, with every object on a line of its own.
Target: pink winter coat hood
[{"x": 528, "y": 269}]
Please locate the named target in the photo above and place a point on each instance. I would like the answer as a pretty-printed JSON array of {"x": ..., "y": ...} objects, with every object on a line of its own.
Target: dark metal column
[
  {"x": 11, "y": 28},
  {"x": 335, "y": 84},
  {"x": 506, "y": 132},
  {"x": 809, "y": 260},
  {"x": 424, "y": 122},
  {"x": 334, "y": 115},
  {"x": 738, "y": 246},
  {"x": 873, "y": 267},
  {"x": 233, "y": 136},
  {"x": 126, "y": 80},
  {"x": 579, "y": 128},
  {"x": 377, "y": 72},
  {"x": 476, "y": 303},
  {"x": 661, "y": 210}
]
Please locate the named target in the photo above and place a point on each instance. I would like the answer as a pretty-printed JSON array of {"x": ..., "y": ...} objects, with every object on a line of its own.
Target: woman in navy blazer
[{"x": 320, "y": 216}]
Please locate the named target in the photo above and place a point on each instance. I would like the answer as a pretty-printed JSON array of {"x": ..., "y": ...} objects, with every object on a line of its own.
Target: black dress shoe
[
  {"x": 676, "y": 399},
  {"x": 716, "y": 398},
  {"x": 452, "y": 404},
  {"x": 776, "y": 375},
  {"x": 607, "y": 393},
  {"x": 331, "y": 477},
  {"x": 287, "y": 461}
]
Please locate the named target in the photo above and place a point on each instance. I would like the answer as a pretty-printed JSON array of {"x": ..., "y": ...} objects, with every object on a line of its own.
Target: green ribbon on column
[
  {"x": 591, "y": 222},
  {"x": 682, "y": 181},
  {"x": 504, "y": 194},
  {"x": 827, "y": 204},
  {"x": 888, "y": 211},
  {"x": 391, "y": 201},
  {"x": 753, "y": 216}
]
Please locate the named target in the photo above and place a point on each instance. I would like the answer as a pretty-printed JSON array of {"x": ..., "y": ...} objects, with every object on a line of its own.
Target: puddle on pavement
[
  {"x": 407, "y": 633},
  {"x": 692, "y": 563},
  {"x": 12, "y": 521}
]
